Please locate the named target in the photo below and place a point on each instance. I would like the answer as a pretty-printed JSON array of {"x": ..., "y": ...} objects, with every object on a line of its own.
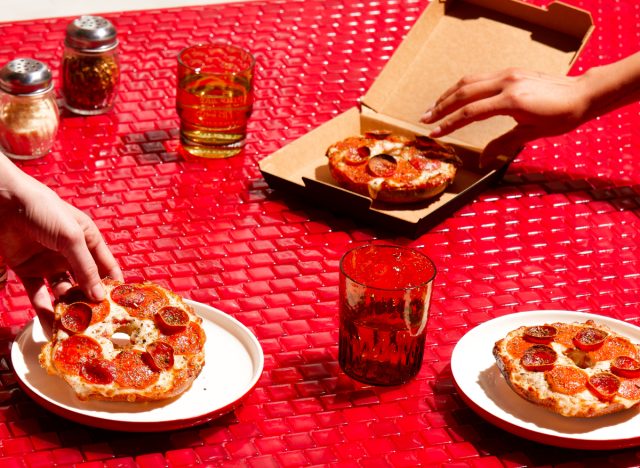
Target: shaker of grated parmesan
[{"x": 29, "y": 117}]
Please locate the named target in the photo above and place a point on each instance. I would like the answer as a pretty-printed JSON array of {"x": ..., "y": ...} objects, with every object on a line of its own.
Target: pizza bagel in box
[{"x": 375, "y": 162}]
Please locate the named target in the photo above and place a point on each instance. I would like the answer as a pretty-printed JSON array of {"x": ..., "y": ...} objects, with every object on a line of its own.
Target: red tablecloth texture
[{"x": 560, "y": 232}]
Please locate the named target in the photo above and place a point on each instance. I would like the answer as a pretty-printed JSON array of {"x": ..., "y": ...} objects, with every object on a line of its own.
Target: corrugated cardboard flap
[{"x": 454, "y": 38}]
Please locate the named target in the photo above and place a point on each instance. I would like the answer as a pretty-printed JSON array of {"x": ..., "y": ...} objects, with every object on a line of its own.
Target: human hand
[
  {"x": 45, "y": 240},
  {"x": 542, "y": 105}
]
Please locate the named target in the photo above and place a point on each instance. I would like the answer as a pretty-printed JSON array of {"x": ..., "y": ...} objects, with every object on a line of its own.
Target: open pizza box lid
[{"x": 450, "y": 39}]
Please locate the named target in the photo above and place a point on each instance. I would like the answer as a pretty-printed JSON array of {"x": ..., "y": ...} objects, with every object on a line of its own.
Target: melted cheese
[
  {"x": 567, "y": 403},
  {"x": 374, "y": 187},
  {"x": 141, "y": 331},
  {"x": 384, "y": 147}
]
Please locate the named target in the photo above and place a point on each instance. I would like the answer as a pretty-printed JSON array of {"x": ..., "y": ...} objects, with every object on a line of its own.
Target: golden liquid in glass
[{"x": 213, "y": 113}]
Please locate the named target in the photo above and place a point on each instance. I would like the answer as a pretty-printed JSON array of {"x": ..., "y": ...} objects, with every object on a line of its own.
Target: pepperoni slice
[
  {"x": 517, "y": 346},
  {"x": 566, "y": 379},
  {"x": 71, "y": 353},
  {"x": 425, "y": 143},
  {"x": 539, "y": 358},
  {"x": 419, "y": 162},
  {"x": 613, "y": 347},
  {"x": 140, "y": 301},
  {"x": 382, "y": 165},
  {"x": 589, "y": 339},
  {"x": 159, "y": 356},
  {"x": 99, "y": 310},
  {"x": 98, "y": 371},
  {"x": 128, "y": 295},
  {"x": 630, "y": 389},
  {"x": 565, "y": 335},
  {"x": 445, "y": 156},
  {"x": 357, "y": 156},
  {"x": 604, "y": 385},
  {"x": 625, "y": 366},
  {"x": 434, "y": 150},
  {"x": 153, "y": 303},
  {"x": 377, "y": 134},
  {"x": 76, "y": 317},
  {"x": 541, "y": 334},
  {"x": 132, "y": 371},
  {"x": 172, "y": 319},
  {"x": 188, "y": 341}
]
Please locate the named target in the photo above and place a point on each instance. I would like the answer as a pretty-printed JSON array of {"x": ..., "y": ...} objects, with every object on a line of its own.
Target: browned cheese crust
[
  {"x": 392, "y": 168},
  {"x": 564, "y": 388}
]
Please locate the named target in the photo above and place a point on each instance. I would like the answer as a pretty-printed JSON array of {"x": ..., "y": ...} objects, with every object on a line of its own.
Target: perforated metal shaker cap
[
  {"x": 25, "y": 76},
  {"x": 91, "y": 33}
]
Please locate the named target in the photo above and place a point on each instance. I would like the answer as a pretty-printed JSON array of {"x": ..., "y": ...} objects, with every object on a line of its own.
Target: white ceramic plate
[
  {"x": 485, "y": 390},
  {"x": 233, "y": 364}
]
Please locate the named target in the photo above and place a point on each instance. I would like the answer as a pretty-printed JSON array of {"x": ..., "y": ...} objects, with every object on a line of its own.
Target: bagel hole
[
  {"x": 580, "y": 358},
  {"x": 121, "y": 339}
]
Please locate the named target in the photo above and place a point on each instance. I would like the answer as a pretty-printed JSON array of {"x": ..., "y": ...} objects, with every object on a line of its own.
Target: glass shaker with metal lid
[
  {"x": 90, "y": 65},
  {"x": 29, "y": 116}
]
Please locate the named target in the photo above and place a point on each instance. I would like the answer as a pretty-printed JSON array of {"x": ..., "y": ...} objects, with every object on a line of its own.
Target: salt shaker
[
  {"x": 29, "y": 117},
  {"x": 90, "y": 65}
]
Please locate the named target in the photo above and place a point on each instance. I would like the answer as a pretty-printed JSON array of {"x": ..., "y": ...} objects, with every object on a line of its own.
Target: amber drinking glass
[
  {"x": 385, "y": 293},
  {"x": 214, "y": 99}
]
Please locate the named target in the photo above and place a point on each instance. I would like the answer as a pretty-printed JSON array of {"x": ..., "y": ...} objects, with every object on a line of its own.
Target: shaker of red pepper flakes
[
  {"x": 29, "y": 117},
  {"x": 90, "y": 66}
]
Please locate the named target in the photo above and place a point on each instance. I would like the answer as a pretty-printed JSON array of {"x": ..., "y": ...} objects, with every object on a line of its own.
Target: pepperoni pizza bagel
[
  {"x": 141, "y": 343},
  {"x": 573, "y": 369},
  {"x": 393, "y": 168}
]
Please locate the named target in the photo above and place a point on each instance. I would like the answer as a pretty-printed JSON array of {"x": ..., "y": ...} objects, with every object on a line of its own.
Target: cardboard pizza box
[{"x": 450, "y": 39}]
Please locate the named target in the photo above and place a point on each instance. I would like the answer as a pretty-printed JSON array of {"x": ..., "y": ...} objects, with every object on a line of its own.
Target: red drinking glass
[{"x": 385, "y": 293}]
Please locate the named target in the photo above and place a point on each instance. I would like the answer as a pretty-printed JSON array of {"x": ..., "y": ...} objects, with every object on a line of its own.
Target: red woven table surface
[{"x": 558, "y": 233}]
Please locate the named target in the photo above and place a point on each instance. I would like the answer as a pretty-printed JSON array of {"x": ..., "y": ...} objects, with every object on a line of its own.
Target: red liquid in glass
[
  {"x": 379, "y": 353},
  {"x": 383, "y": 324}
]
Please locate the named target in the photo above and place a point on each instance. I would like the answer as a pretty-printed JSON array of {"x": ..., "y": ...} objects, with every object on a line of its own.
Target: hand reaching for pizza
[
  {"x": 542, "y": 105},
  {"x": 45, "y": 240}
]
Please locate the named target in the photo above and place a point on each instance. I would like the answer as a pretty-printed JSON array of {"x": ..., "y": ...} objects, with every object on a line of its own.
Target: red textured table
[{"x": 558, "y": 233}]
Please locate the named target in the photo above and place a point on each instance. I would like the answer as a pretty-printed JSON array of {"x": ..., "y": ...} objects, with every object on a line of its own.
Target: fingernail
[
  {"x": 116, "y": 274},
  {"x": 97, "y": 291},
  {"x": 427, "y": 115}
]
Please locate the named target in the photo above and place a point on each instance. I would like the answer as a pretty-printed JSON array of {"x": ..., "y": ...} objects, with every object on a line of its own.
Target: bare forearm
[
  {"x": 612, "y": 86},
  {"x": 8, "y": 175},
  {"x": 16, "y": 186}
]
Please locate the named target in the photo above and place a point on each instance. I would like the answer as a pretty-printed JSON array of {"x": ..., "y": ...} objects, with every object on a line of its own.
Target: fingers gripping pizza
[
  {"x": 573, "y": 369},
  {"x": 392, "y": 168},
  {"x": 141, "y": 343}
]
